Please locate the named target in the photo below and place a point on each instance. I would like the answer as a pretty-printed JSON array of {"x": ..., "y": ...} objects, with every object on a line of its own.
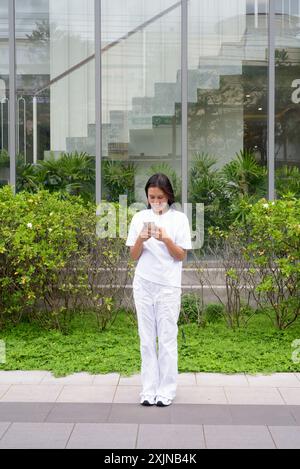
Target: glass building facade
[{"x": 152, "y": 86}]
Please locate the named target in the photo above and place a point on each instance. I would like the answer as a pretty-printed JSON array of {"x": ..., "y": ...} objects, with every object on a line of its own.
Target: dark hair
[{"x": 162, "y": 182}]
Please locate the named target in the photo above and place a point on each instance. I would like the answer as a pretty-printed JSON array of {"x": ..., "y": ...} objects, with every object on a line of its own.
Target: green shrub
[
  {"x": 270, "y": 242},
  {"x": 207, "y": 187},
  {"x": 4, "y": 159},
  {"x": 244, "y": 176},
  {"x": 118, "y": 179},
  {"x": 213, "y": 312},
  {"x": 37, "y": 237},
  {"x": 191, "y": 309},
  {"x": 287, "y": 181},
  {"x": 70, "y": 174},
  {"x": 52, "y": 261},
  {"x": 260, "y": 255}
]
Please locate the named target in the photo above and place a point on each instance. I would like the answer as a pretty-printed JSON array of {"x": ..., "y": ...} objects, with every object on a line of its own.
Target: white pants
[{"x": 158, "y": 308}]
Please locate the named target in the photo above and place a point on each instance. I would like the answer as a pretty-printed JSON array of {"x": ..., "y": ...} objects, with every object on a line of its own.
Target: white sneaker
[
  {"x": 163, "y": 401},
  {"x": 147, "y": 401}
]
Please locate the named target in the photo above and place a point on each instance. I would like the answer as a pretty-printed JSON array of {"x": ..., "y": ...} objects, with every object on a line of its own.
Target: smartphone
[{"x": 149, "y": 225}]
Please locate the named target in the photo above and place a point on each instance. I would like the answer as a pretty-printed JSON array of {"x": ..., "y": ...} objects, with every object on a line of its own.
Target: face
[{"x": 157, "y": 199}]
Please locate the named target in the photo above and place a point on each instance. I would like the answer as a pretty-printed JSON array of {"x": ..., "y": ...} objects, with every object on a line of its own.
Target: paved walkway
[{"x": 102, "y": 411}]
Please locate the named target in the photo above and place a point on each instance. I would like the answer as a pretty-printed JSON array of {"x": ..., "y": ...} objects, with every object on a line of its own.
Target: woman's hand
[
  {"x": 147, "y": 231},
  {"x": 160, "y": 234},
  {"x": 137, "y": 249},
  {"x": 176, "y": 251}
]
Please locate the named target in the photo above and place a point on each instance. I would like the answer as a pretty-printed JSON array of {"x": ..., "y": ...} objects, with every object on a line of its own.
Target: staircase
[{"x": 139, "y": 130}]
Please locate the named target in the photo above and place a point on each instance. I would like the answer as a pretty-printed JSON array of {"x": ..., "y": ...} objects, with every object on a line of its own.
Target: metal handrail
[{"x": 109, "y": 46}]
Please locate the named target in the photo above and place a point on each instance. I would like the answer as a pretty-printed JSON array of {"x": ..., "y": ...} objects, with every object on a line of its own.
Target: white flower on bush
[
  {"x": 265, "y": 205},
  {"x": 50, "y": 230},
  {"x": 29, "y": 225}
]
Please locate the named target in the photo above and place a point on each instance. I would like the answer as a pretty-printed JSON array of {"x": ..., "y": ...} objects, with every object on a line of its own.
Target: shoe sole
[
  {"x": 146, "y": 404},
  {"x": 160, "y": 404}
]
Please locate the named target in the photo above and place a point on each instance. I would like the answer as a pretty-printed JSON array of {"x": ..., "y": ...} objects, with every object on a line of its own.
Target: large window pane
[
  {"x": 287, "y": 149},
  {"x": 141, "y": 92},
  {"x": 227, "y": 111},
  {"x": 56, "y": 92},
  {"x": 4, "y": 93}
]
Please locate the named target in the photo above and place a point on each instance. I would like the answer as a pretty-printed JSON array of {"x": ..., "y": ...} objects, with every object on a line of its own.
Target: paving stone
[
  {"x": 171, "y": 437},
  {"x": 110, "y": 379},
  {"x": 89, "y": 394},
  {"x": 198, "y": 414},
  {"x": 36, "y": 436},
  {"x": 80, "y": 379},
  {"x": 295, "y": 411},
  {"x": 291, "y": 396},
  {"x": 3, "y": 390},
  {"x": 237, "y": 437},
  {"x": 127, "y": 394},
  {"x": 22, "y": 377},
  {"x": 3, "y": 427},
  {"x": 134, "y": 380},
  {"x": 135, "y": 413},
  {"x": 220, "y": 379},
  {"x": 275, "y": 380},
  {"x": 77, "y": 413},
  {"x": 24, "y": 412},
  {"x": 31, "y": 393},
  {"x": 261, "y": 415},
  {"x": 186, "y": 379},
  {"x": 252, "y": 395},
  {"x": 200, "y": 395},
  {"x": 103, "y": 435},
  {"x": 286, "y": 437}
]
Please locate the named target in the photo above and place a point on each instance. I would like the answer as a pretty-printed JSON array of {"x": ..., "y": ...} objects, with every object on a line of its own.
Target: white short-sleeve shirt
[{"x": 156, "y": 263}]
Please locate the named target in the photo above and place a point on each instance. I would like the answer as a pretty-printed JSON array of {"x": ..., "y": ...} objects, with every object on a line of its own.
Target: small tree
[
  {"x": 271, "y": 244},
  {"x": 232, "y": 275}
]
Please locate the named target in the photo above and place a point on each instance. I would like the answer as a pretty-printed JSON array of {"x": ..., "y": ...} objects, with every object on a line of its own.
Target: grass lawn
[{"x": 258, "y": 348}]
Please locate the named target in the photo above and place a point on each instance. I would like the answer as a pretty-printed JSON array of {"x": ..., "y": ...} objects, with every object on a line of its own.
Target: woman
[{"x": 158, "y": 238}]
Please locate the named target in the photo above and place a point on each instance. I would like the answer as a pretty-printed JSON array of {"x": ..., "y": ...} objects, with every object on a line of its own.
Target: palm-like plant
[
  {"x": 79, "y": 172},
  {"x": 206, "y": 186},
  {"x": 205, "y": 182},
  {"x": 4, "y": 159},
  {"x": 49, "y": 174},
  {"x": 27, "y": 178},
  {"x": 118, "y": 178},
  {"x": 26, "y": 175},
  {"x": 287, "y": 179},
  {"x": 203, "y": 164},
  {"x": 244, "y": 176},
  {"x": 281, "y": 57},
  {"x": 73, "y": 173}
]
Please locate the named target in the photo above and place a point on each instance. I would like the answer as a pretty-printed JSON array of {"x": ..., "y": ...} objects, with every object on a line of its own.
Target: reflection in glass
[
  {"x": 141, "y": 95},
  {"x": 227, "y": 112},
  {"x": 287, "y": 135},
  {"x": 55, "y": 95}
]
